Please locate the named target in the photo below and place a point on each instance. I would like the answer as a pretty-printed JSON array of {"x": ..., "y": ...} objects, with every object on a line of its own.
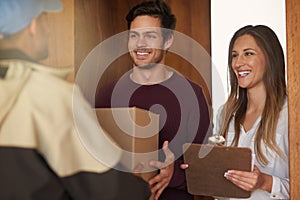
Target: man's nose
[{"x": 141, "y": 42}]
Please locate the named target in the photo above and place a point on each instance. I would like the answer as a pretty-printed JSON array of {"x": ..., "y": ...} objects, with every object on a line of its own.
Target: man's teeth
[
  {"x": 244, "y": 73},
  {"x": 142, "y": 53}
]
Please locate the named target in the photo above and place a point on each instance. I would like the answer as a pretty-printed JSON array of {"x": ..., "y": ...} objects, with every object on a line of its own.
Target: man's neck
[
  {"x": 14, "y": 54},
  {"x": 150, "y": 76}
]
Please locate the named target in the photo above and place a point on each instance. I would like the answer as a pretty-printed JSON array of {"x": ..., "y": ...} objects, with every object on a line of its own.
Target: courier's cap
[{"x": 17, "y": 14}]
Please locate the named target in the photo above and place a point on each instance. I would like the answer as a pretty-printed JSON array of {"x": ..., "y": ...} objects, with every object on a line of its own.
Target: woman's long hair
[{"x": 274, "y": 81}]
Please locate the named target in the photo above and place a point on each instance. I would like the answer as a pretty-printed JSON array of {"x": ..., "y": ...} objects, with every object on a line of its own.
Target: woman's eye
[
  {"x": 234, "y": 55},
  {"x": 249, "y": 54}
]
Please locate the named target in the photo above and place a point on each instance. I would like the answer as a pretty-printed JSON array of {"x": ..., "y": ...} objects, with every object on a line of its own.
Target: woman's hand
[
  {"x": 250, "y": 181},
  {"x": 162, "y": 180}
]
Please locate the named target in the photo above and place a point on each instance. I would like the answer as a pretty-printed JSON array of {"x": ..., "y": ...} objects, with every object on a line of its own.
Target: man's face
[
  {"x": 146, "y": 44},
  {"x": 42, "y": 37}
]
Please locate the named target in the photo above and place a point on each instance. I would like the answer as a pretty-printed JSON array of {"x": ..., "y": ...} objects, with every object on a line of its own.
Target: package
[{"x": 136, "y": 132}]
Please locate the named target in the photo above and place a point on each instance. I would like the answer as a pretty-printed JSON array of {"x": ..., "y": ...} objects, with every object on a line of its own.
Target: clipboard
[{"x": 207, "y": 165}]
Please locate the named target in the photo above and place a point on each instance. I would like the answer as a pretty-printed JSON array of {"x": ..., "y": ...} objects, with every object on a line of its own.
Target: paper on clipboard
[{"x": 207, "y": 165}]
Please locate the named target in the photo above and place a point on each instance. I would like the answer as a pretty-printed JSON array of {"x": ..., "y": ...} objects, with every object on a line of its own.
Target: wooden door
[{"x": 293, "y": 69}]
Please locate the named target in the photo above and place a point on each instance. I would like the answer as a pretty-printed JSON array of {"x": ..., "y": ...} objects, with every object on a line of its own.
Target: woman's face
[{"x": 248, "y": 62}]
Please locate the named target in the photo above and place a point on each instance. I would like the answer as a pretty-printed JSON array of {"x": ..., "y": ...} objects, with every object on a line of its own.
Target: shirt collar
[{"x": 16, "y": 55}]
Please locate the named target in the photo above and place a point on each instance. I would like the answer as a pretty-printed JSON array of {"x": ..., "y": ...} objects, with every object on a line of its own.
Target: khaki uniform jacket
[{"x": 51, "y": 146}]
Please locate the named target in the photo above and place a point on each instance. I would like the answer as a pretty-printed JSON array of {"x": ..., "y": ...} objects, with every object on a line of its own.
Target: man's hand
[{"x": 162, "y": 180}]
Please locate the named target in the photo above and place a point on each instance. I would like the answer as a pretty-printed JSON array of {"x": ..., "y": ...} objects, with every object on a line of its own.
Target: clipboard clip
[{"x": 217, "y": 139}]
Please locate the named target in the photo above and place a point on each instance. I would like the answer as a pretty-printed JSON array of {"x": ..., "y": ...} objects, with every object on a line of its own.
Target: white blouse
[{"x": 277, "y": 167}]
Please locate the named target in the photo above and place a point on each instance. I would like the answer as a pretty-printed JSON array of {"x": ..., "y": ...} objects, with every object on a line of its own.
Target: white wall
[{"x": 227, "y": 16}]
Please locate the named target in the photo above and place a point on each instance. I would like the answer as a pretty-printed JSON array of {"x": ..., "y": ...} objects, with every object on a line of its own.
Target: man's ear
[
  {"x": 169, "y": 42},
  {"x": 33, "y": 26}
]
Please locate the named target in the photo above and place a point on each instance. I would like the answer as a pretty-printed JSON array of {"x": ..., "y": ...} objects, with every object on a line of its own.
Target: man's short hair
[{"x": 157, "y": 9}]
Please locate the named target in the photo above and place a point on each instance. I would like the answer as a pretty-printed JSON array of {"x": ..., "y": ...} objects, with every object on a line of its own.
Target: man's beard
[{"x": 146, "y": 66}]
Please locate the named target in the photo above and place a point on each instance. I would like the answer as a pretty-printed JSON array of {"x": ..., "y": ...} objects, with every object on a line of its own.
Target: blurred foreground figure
[{"x": 41, "y": 154}]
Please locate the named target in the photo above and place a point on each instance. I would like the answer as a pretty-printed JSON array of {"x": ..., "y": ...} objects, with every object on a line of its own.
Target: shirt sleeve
[
  {"x": 281, "y": 181},
  {"x": 280, "y": 188}
]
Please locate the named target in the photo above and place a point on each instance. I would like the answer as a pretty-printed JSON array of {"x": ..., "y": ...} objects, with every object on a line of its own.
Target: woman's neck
[{"x": 256, "y": 99}]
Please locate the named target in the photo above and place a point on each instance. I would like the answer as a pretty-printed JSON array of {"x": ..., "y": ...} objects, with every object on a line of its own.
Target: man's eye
[
  {"x": 150, "y": 36},
  {"x": 133, "y": 36}
]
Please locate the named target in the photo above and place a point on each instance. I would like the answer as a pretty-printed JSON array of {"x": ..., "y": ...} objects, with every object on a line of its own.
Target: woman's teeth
[{"x": 244, "y": 73}]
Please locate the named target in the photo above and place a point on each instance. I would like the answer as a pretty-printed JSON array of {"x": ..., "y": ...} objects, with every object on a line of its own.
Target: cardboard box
[{"x": 136, "y": 132}]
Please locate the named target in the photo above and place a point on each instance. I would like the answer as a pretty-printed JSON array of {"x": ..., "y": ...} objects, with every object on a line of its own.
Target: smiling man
[
  {"x": 151, "y": 85},
  {"x": 147, "y": 45}
]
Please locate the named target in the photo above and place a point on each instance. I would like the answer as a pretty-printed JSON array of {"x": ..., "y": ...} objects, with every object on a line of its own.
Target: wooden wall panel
[
  {"x": 61, "y": 45},
  {"x": 193, "y": 20},
  {"x": 96, "y": 21},
  {"x": 87, "y": 28},
  {"x": 293, "y": 68},
  {"x": 61, "y": 53}
]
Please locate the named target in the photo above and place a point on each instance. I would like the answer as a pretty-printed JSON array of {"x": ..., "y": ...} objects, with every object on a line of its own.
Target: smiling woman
[
  {"x": 248, "y": 62},
  {"x": 255, "y": 114},
  {"x": 226, "y": 17}
]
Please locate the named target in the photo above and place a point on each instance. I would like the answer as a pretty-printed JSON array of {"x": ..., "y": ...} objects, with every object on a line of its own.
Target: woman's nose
[{"x": 239, "y": 61}]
